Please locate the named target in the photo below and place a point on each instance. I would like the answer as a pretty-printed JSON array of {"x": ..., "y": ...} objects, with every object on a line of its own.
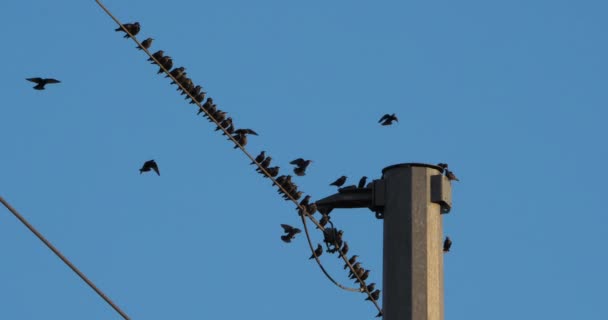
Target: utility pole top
[{"x": 411, "y": 198}]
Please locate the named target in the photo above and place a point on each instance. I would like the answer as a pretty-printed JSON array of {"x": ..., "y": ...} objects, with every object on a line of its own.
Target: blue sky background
[{"x": 512, "y": 94}]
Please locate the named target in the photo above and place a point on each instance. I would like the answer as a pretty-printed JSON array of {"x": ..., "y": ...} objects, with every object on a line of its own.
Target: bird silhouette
[
  {"x": 241, "y": 139},
  {"x": 166, "y": 62},
  {"x": 305, "y": 201},
  {"x": 41, "y": 82},
  {"x": 156, "y": 55},
  {"x": 344, "y": 249},
  {"x": 363, "y": 276},
  {"x": 149, "y": 165},
  {"x": 352, "y": 260},
  {"x": 301, "y": 166},
  {"x": 246, "y": 131},
  {"x": 318, "y": 252},
  {"x": 388, "y": 119},
  {"x": 133, "y": 28},
  {"x": 339, "y": 182},
  {"x": 273, "y": 171},
  {"x": 323, "y": 221},
  {"x": 264, "y": 164},
  {"x": 370, "y": 287},
  {"x": 259, "y": 158},
  {"x": 362, "y": 182},
  {"x": 450, "y": 175},
  {"x": 447, "y": 244},
  {"x": 146, "y": 44},
  {"x": 374, "y": 295}
]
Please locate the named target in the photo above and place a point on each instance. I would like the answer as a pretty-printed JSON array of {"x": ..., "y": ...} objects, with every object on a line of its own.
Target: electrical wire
[
  {"x": 63, "y": 258},
  {"x": 262, "y": 169}
]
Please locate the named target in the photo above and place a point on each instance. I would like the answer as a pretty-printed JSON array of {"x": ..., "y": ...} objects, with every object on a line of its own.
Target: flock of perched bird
[{"x": 287, "y": 188}]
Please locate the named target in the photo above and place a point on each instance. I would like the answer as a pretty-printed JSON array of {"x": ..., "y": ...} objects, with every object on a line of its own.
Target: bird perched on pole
[
  {"x": 41, "y": 82},
  {"x": 133, "y": 28},
  {"x": 451, "y": 176},
  {"x": 388, "y": 119},
  {"x": 447, "y": 244},
  {"x": 362, "y": 182},
  {"x": 149, "y": 165},
  {"x": 339, "y": 182}
]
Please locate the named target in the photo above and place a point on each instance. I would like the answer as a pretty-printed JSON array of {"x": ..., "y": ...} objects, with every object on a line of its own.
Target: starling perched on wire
[
  {"x": 318, "y": 252},
  {"x": 41, "y": 82},
  {"x": 198, "y": 98},
  {"x": 259, "y": 158},
  {"x": 362, "y": 182},
  {"x": 157, "y": 55},
  {"x": 374, "y": 295},
  {"x": 358, "y": 270},
  {"x": 206, "y": 105},
  {"x": 224, "y": 124},
  {"x": 166, "y": 62},
  {"x": 146, "y": 44},
  {"x": 193, "y": 92},
  {"x": 177, "y": 73},
  {"x": 149, "y": 165},
  {"x": 370, "y": 287},
  {"x": 339, "y": 182},
  {"x": 447, "y": 244},
  {"x": 388, "y": 119},
  {"x": 363, "y": 276},
  {"x": 344, "y": 249},
  {"x": 264, "y": 164},
  {"x": 133, "y": 28},
  {"x": 324, "y": 220},
  {"x": 311, "y": 208},
  {"x": 241, "y": 139},
  {"x": 450, "y": 175},
  {"x": 273, "y": 171},
  {"x": 304, "y": 202},
  {"x": 352, "y": 260}
]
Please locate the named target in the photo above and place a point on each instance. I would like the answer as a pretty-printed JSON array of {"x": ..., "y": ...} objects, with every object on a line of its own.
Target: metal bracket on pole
[{"x": 441, "y": 192}]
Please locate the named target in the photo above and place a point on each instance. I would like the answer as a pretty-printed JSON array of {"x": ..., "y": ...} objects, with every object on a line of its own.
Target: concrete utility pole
[{"x": 410, "y": 198}]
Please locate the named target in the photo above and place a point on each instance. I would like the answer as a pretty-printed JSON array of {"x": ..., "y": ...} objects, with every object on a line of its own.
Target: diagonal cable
[
  {"x": 262, "y": 169},
  {"x": 63, "y": 258}
]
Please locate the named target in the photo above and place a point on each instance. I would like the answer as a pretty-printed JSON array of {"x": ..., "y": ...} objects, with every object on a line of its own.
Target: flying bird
[
  {"x": 41, "y": 82},
  {"x": 450, "y": 175},
  {"x": 318, "y": 252},
  {"x": 289, "y": 229},
  {"x": 133, "y": 28},
  {"x": 246, "y": 131},
  {"x": 447, "y": 244},
  {"x": 149, "y": 165},
  {"x": 362, "y": 182},
  {"x": 388, "y": 119},
  {"x": 301, "y": 166},
  {"x": 146, "y": 44},
  {"x": 339, "y": 182}
]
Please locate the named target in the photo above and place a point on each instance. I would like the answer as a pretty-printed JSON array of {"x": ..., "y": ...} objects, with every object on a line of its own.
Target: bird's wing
[
  {"x": 297, "y": 161},
  {"x": 36, "y": 80},
  {"x": 51, "y": 80},
  {"x": 286, "y": 227},
  {"x": 384, "y": 117},
  {"x": 155, "y": 168},
  {"x": 249, "y": 131}
]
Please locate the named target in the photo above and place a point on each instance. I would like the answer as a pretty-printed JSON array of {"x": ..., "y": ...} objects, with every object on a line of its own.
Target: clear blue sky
[{"x": 512, "y": 94}]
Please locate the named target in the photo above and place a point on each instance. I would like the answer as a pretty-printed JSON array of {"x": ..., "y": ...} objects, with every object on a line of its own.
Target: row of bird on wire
[{"x": 288, "y": 189}]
